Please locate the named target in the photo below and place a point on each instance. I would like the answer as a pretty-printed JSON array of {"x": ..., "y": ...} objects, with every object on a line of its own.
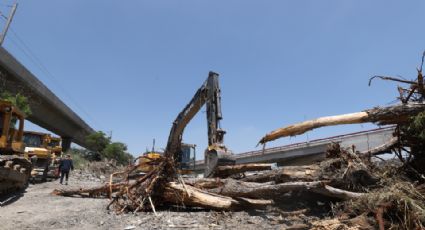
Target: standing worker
[{"x": 64, "y": 167}]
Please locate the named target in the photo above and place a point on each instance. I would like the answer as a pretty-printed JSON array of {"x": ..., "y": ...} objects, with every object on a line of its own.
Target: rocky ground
[{"x": 36, "y": 208}]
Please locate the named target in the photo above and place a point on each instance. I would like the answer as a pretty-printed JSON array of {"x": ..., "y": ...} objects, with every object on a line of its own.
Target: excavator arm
[{"x": 217, "y": 153}]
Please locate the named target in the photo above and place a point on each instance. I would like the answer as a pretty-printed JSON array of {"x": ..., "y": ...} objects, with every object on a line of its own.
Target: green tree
[
  {"x": 98, "y": 141},
  {"x": 17, "y": 100},
  {"x": 118, "y": 152},
  {"x": 417, "y": 127}
]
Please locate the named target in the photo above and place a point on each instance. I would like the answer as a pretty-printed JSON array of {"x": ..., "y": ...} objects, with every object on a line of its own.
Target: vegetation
[
  {"x": 18, "y": 100},
  {"x": 416, "y": 128},
  {"x": 118, "y": 152},
  {"x": 78, "y": 157},
  {"x": 413, "y": 137},
  {"x": 102, "y": 144},
  {"x": 98, "y": 141}
]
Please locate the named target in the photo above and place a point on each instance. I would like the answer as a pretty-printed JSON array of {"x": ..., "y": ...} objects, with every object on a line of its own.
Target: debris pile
[{"x": 360, "y": 192}]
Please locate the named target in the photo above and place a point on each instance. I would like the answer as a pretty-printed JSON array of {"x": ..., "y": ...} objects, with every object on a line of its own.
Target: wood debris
[{"x": 365, "y": 195}]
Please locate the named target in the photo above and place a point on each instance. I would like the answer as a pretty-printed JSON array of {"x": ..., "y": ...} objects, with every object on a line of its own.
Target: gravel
[{"x": 36, "y": 208}]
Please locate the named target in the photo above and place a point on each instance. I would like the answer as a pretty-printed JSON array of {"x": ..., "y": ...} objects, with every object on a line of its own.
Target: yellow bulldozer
[
  {"x": 36, "y": 147},
  {"x": 15, "y": 167},
  {"x": 55, "y": 147}
]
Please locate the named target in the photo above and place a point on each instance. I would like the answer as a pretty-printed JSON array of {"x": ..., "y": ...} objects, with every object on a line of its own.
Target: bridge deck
[
  {"x": 48, "y": 110},
  {"x": 303, "y": 152}
]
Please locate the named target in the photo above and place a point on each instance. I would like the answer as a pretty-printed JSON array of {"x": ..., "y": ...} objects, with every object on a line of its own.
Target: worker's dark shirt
[{"x": 66, "y": 165}]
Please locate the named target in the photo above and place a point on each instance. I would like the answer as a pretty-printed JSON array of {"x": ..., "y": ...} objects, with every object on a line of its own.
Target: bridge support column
[{"x": 66, "y": 143}]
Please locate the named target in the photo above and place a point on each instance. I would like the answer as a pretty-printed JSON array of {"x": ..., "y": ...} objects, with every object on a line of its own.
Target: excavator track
[{"x": 14, "y": 173}]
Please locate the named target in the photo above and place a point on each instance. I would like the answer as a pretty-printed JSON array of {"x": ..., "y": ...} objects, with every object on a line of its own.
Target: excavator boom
[{"x": 216, "y": 154}]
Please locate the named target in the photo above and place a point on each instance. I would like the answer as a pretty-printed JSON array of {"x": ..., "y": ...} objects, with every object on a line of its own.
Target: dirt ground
[{"x": 36, "y": 208}]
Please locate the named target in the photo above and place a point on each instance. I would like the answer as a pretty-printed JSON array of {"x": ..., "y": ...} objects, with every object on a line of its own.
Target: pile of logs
[
  {"x": 331, "y": 178},
  {"x": 345, "y": 175}
]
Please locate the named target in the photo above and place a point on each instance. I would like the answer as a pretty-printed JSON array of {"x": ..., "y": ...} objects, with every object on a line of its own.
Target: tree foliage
[
  {"x": 118, "y": 152},
  {"x": 417, "y": 127},
  {"x": 102, "y": 144},
  {"x": 413, "y": 132},
  {"x": 98, "y": 141},
  {"x": 17, "y": 100}
]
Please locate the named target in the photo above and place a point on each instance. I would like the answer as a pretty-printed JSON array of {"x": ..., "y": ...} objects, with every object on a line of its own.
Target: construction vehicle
[
  {"x": 36, "y": 146},
  {"x": 15, "y": 168},
  {"x": 55, "y": 147},
  {"x": 216, "y": 154},
  {"x": 187, "y": 158},
  {"x": 150, "y": 159}
]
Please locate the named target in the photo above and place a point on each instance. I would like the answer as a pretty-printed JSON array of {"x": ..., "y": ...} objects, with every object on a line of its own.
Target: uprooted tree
[{"x": 368, "y": 193}]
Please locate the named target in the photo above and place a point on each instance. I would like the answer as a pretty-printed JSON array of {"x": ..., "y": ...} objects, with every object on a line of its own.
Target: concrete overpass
[
  {"x": 48, "y": 111},
  {"x": 307, "y": 152}
]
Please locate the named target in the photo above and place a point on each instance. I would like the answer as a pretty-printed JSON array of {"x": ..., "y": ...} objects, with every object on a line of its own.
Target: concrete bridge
[
  {"x": 48, "y": 111},
  {"x": 307, "y": 152}
]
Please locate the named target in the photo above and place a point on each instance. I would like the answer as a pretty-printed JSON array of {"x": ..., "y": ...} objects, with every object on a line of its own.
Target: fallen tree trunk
[
  {"x": 228, "y": 170},
  {"x": 235, "y": 188},
  {"x": 287, "y": 174},
  {"x": 178, "y": 194},
  {"x": 387, "y": 115},
  {"x": 103, "y": 190},
  {"x": 191, "y": 196}
]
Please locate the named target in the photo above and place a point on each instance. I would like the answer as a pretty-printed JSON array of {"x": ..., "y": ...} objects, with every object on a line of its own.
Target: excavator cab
[{"x": 187, "y": 158}]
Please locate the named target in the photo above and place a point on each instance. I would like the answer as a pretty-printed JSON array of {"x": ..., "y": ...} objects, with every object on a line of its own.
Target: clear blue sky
[{"x": 133, "y": 65}]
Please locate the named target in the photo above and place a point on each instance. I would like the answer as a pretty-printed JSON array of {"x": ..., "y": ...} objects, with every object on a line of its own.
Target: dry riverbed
[{"x": 36, "y": 208}]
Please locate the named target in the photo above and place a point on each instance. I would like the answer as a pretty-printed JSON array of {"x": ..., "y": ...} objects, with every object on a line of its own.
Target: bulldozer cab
[
  {"x": 11, "y": 128},
  {"x": 36, "y": 139},
  {"x": 55, "y": 145}
]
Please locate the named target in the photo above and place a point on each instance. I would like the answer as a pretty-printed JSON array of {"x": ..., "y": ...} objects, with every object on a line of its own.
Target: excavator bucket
[{"x": 215, "y": 158}]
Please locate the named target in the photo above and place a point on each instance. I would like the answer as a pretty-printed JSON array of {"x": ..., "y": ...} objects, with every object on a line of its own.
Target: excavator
[
  {"x": 36, "y": 146},
  {"x": 216, "y": 154},
  {"x": 15, "y": 167}
]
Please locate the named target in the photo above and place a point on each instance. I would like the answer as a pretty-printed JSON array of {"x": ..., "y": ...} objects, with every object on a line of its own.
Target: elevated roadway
[
  {"x": 307, "y": 152},
  {"x": 48, "y": 111}
]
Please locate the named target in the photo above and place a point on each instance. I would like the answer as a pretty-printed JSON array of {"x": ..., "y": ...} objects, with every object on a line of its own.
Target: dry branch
[{"x": 386, "y": 115}]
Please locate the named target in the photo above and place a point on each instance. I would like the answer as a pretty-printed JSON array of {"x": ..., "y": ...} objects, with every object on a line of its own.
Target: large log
[
  {"x": 103, "y": 190},
  {"x": 287, "y": 174},
  {"x": 387, "y": 115},
  {"x": 190, "y": 196},
  {"x": 178, "y": 194},
  {"x": 228, "y": 170},
  {"x": 235, "y": 188}
]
